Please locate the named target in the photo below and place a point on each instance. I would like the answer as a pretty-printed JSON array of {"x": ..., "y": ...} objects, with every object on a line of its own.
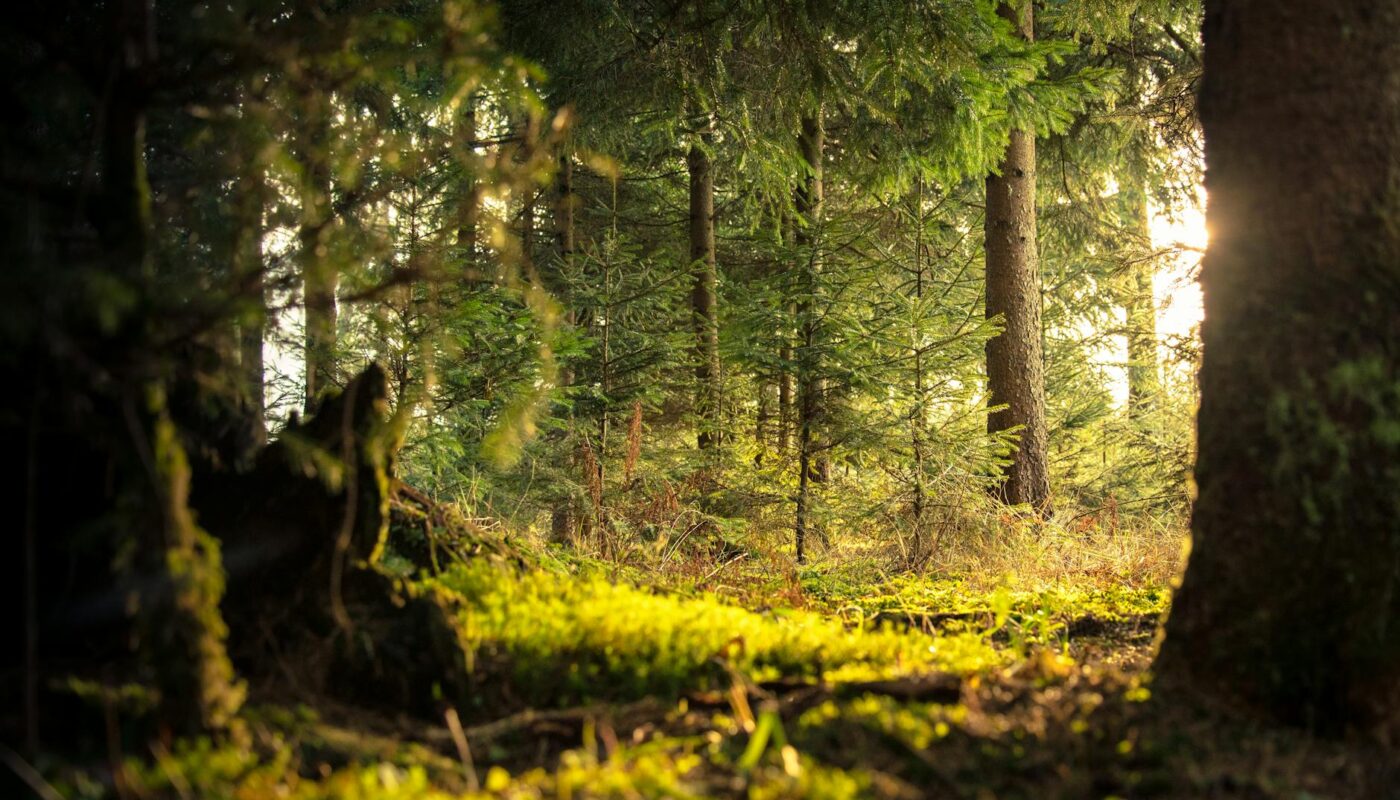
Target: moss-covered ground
[{"x": 593, "y": 682}]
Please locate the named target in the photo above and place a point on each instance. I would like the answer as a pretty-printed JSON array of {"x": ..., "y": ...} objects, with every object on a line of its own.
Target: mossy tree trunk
[
  {"x": 179, "y": 624},
  {"x": 1015, "y": 366},
  {"x": 1292, "y": 595}
]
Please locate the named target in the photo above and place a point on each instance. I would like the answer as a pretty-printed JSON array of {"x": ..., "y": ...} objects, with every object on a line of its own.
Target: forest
[{"x": 427, "y": 399}]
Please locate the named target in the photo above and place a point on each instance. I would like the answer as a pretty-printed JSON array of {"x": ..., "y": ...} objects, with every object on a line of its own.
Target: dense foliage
[{"x": 609, "y": 372}]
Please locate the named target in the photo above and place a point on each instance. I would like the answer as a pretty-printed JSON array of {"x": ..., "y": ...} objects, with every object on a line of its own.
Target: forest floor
[{"x": 748, "y": 679}]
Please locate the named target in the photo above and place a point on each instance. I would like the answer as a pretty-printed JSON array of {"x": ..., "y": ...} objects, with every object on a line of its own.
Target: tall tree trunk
[
  {"x": 249, "y": 271},
  {"x": 178, "y": 615},
  {"x": 703, "y": 307},
  {"x": 763, "y": 419},
  {"x": 810, "y": 461},
  {"x": 561, "y": 520},
  {"x": 564, "y": 201},
  {"x": 318, "y": 272},
  {"x": 468, "y": 199},
  {"x": 1015, "y": 367},
  {"x": 785, "y": 394},
  {"x": 1290, "y": 603},
  {"x": 1144, "y": 381},
  {"x": 918, "y": 412},
  {"x": 786, "y": 389}
]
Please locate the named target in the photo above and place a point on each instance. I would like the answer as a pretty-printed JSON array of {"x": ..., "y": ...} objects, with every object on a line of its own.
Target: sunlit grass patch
[
  {"x": 561, "y": 639},
  {"x": 917, "y": 596}
]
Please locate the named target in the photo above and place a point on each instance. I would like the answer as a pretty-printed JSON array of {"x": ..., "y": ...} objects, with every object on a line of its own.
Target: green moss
[
  {"x": 563, "y": 639},
  {"x": 916, "y": 598}
]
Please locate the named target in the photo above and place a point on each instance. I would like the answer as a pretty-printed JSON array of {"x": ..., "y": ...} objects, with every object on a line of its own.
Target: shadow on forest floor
[{"x": 590, "y": 686}]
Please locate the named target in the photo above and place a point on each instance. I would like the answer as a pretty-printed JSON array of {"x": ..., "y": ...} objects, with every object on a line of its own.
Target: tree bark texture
[
  {"x": 810, "y": 194},
  {"x": 1291, "y": 600},
  {"x": 703, "y": 307},
  {"x": 1015, "y": 366}
]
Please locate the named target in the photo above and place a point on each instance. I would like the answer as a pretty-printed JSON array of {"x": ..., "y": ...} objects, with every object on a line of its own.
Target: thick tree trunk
[
  {"x": 1015, "y": 367},
  {"x": 703, "y": 308},
  {"x": 177, "y": 613},
  {"x": 1140, "y": 307},
  {"x": 1290, "y": 600},
  {"x": 811, "y": 461}
]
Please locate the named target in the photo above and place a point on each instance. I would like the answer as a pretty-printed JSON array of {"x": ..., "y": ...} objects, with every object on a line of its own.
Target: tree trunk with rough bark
[
  {"x": 1291, "y": 598},
  {"x": 1015, "y": 366},
  {"x": 703, "y": 307},
  {"x": 810, "y": 461}
]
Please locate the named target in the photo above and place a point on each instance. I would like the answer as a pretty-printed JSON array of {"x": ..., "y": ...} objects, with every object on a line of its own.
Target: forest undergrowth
[
  {"x": 533, "y": 398},
  {"x": 674, "y": 674}
]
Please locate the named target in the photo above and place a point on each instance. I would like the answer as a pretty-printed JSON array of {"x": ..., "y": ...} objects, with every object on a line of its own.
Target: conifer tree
[{"x": 1015, "y": 366}]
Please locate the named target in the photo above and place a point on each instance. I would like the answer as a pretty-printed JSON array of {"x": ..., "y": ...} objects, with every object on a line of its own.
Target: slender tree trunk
[
  {"x": 565, "y": 246},
  {"x": 468, "y": 200},
  {"x": 786, "y": 388},
  {"x": 527, "y": 234},
  {"x": 918, "y": 413},
  {"x": 318, "y": 272},
  {"x": 564, "y": 202},
  {"x": 249, "y": 271},
  {"x": 763, "y": 420},
  {"x": 703, "y": 308},
  {"x": 804, "y": 481},
  {"x": 1291, "y": 598},
  {"x": 1015, "y": 367},
  {"x": 811, "y": 462},
  {"x": 785, "y": 394},
  {"x": 1144, "y": 381},
  {"x": 561, "y": 522}
]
